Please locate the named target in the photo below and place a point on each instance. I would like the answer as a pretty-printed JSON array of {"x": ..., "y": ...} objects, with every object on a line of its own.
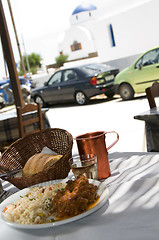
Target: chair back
[
  {"x": 29, "y": 119},
  {"x": 151, "y": 93}
]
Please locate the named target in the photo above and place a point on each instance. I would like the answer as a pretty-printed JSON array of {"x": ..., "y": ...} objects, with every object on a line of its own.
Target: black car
[{"x": 77, "y": 84}]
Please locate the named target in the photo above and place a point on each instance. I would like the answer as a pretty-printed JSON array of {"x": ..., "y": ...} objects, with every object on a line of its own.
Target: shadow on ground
[
  {"x": 74, "y": 104},
  {"x": 137, "y": 97}
]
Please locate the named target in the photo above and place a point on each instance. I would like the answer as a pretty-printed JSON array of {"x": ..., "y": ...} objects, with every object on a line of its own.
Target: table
[
  {"x": 9, "y": 124},
  {"x": 151, "y": 119},
  {"x": 132, "y": 211}
]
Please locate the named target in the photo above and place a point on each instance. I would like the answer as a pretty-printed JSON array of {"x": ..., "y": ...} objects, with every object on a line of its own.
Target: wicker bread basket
[{"x": 20, "y": 151}]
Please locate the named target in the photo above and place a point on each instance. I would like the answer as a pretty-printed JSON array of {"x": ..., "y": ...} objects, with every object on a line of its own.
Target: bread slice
[{"x": 38, "y": 162}]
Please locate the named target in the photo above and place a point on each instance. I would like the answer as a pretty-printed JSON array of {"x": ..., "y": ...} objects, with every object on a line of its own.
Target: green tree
[
  {"x": 34, "y": 63},
  {"x": 61, "y": 59}
]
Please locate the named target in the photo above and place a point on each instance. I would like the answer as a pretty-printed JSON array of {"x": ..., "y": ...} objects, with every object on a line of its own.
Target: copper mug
[{"x": 94, "y": 142}]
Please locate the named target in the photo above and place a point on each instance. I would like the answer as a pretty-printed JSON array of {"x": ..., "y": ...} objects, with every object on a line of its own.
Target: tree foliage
[
  {"x": 61, "y": 59},
  {"x": 34, "y": 63}
]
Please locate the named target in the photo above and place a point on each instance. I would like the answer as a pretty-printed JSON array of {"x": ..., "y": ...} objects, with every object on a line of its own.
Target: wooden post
[
  {"x": 9, "y": 57},
  {"x": 16, "y": 36}
]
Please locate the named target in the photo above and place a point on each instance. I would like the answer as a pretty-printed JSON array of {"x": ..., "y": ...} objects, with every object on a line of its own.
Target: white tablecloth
[{"x": 132, "y": 211}]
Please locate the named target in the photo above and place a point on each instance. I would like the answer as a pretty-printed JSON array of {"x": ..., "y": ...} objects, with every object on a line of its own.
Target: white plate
[{"x": 102, "y": 191}]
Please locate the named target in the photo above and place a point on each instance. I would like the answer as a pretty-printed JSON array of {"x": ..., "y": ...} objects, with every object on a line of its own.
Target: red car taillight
[{"x": 93, "y": 81}]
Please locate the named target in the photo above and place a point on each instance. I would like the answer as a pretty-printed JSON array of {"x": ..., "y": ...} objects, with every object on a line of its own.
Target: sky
[{"x": 39, "y": 24}]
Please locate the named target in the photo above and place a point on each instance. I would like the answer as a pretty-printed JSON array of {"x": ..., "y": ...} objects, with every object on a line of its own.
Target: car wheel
[
  {"x": 81, "y": 98},
  {"x": 126, "y": 91},
  {"x": 39, "y": 99}
]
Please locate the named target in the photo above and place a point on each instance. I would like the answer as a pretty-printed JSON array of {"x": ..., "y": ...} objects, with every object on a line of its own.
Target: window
[
  {"x": 139, "y": 63},
  {"x": 95, "y": 68},
  {"x": 149, "y": 58},
  {"x": 70, "y": 75},
  {"x": 56, "y": 78},
  {"x": 112, "y": 35},
  {"x": 76, "y": 46}
]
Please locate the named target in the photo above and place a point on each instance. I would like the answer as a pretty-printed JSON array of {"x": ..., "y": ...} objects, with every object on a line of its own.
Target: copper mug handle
[{"x": 117, "y": 139}]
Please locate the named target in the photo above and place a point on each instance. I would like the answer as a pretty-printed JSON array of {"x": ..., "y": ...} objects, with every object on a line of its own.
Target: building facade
[{"x": 117, "y": 32}]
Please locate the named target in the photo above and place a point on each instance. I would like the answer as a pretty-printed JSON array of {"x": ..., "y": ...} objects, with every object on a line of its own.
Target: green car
[{"x": 139, "y": 76}]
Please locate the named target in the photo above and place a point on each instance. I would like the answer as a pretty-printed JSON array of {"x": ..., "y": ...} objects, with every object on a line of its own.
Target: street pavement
[{"x": 104, "y": 115}]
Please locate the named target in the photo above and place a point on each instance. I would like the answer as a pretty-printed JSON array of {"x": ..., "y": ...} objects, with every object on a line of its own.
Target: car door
[
  {"x": 51, "y": 93},
  {"x": 146, "y": 70},
  {"x": 67, "y": 86}
]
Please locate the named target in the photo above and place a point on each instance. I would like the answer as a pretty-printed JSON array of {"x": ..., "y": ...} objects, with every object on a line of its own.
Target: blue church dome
[{"x": 83, "y": 8}]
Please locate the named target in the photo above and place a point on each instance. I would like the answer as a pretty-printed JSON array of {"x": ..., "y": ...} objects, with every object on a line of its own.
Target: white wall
[
  {"x": 82, "y": 17},
  {"x": 83, "y": 36},
  {"x": 135, "y": 31}
]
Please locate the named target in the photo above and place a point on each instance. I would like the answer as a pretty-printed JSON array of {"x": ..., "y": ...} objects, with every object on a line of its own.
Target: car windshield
[
  {"x": 96, "y": 68},
  {"x": 149, "y": 58}
]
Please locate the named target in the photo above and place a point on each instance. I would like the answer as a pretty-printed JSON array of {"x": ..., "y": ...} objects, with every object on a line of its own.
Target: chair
[
  {"x": 151, "y": 93},
  {"x": 29, "y": 119},
  {"x": 152, "y": 126}
]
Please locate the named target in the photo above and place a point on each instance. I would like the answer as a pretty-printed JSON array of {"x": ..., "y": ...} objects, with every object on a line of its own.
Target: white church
[{"x": 117, "y": 32}]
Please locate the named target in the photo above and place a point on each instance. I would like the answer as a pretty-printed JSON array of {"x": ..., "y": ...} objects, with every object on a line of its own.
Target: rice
[{"x": 35, "y": 207}]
